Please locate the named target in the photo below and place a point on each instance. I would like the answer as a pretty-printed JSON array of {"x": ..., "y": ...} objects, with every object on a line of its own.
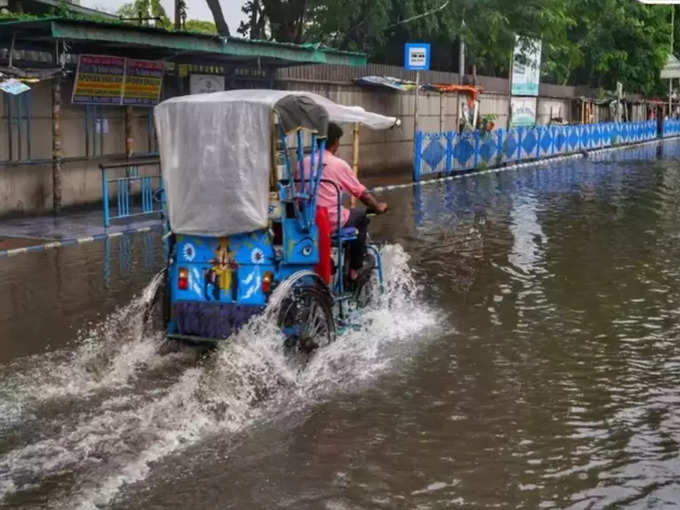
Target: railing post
[
  {"x": 476, "y": 158},
  {"x": 520, "y": 130},
  {"x": 105, "y": 197},
  {"x": 499, "y": 147},
  {"x": 417, "y": 156},
  {"x": 449, "y": 151},
  {"x": 119, "y": 197}
]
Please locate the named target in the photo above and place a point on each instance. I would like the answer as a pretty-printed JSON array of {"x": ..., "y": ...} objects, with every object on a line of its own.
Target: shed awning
[
  {"x": 123, "y": 39},
  {"x": 387, "y": 82}
]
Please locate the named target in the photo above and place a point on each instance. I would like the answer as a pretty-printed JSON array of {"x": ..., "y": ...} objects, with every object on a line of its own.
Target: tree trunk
[{"x": 218, "y": 16}]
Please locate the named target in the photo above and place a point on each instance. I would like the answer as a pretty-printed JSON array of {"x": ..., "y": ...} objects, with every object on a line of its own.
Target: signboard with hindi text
[
  {"x": 526, "y": 67},
  {"x": 108, "y": 80},
  {"x": 99, "y": 80},
  {"x": 143, "y": 81}
]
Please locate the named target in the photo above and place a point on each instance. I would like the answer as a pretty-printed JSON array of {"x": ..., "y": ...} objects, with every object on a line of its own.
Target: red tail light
[
  {"x": 267, "y": 282},
  {"x": 183, "y": 278}
]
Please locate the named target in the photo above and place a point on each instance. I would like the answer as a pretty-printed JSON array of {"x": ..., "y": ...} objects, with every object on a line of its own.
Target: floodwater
[{"x": 526, "y": 356}]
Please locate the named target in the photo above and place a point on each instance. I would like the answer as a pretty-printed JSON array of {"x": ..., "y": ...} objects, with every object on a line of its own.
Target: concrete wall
[
  {"x": 27, "y": 188},
  {"x": 393, "y": 149}
]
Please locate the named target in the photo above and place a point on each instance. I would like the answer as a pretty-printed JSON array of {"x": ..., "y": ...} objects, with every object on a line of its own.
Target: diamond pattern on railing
[
  {"x": 510, "y": 145},
  {"x": 529, "y": 142},
  {"x": 560, "y": 140},
  {"x": 468, "y": 150},
  {"x": 488, "y": 149},
  {"x": 573, "y": 139},
  {"x": 464, "y": 150},
  {"x": 596, "y": 136},
  {"x": 434, "y": 153},
  {"x": 546, "y": 141}
]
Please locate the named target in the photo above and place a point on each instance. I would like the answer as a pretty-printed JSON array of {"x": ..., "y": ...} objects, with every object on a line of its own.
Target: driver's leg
[{"x": 357, "y": 249}]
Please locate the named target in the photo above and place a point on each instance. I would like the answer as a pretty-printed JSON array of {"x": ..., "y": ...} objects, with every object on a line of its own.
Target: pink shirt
[{"x": 339, "y": 172}]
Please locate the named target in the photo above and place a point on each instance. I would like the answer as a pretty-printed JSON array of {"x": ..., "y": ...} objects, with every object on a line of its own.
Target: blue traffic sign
[{"x": 417, "y": 56}]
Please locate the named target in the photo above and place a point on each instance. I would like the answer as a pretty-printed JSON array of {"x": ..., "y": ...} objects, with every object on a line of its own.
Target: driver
[{"x": 338, "y": 171}]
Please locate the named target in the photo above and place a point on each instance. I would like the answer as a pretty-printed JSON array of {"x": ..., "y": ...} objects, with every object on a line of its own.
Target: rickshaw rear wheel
[
  {"x": 367, "y": 285},
  {"x": 306, "y": 318}
]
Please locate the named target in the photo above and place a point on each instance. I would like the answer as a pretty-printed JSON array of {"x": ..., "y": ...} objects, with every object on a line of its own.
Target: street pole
[
  {"x": 512, "y": 63},
  {"x": 415, "y": 109},
  {"x": 461, "y": 57},
  {"x": 670, "y": 81},
  {"x": 461, "y": 74}
]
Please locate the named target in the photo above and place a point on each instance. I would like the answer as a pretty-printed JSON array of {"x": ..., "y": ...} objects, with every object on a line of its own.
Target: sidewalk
[{"x": 30, "y": 234}]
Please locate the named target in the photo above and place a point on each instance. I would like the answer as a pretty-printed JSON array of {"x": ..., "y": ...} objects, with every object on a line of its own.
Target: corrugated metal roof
[{"x": 119, "y": 37}]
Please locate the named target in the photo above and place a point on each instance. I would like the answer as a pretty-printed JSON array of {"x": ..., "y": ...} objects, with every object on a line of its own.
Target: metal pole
[
  {"x": 355, "y": 154},
  {"x": 355, "y": 149},
  {"x": 129, "y": 137},
  {"x": 105, "y": 197},
  {"x": 512, "y": 63},
  {"x": 441, "y": 112},
  {"x": 57, "y": 154},
  {"x": 461, "y": 56},
  {"x": 415, "y": 111},
  {"x": 670, "y": 81}
]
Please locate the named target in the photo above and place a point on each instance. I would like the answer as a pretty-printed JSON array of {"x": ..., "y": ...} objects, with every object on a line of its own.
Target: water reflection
[
  {"x": 120, "y": 249},
  {"x": 553, "y": 380},
  {"x": 48, "y": 296}
]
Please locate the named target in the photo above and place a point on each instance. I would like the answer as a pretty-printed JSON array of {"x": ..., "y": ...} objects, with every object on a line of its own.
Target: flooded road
[{"x": 527, "y": 357}]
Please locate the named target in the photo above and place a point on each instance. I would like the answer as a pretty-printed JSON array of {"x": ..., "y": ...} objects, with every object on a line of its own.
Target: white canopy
[{"x": 215, "y": 154}]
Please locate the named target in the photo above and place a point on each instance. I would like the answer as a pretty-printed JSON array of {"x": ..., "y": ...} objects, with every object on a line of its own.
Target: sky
[{"x": 198, "y": 9}]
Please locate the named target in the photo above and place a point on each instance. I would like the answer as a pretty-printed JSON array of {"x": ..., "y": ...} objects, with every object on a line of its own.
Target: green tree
[
  {"x": 585, "y": 42},
  {"x": 145, "y": 9},
  {"x": 256, "y": 26},
  {"x": 204, "y": 27}
]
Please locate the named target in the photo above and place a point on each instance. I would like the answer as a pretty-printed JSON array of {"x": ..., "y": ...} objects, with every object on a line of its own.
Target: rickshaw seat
[{"x": 344, "y": 235}]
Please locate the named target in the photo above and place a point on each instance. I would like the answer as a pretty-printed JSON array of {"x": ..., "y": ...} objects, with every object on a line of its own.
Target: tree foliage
[
  {"x": 202, "y": 27},
  {"x": 145, "y": 9},
  {"x": 585, "y": 42}
]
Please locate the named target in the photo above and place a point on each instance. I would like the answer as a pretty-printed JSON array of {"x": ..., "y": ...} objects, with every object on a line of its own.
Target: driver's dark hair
[{"x": 334, "y": 133}]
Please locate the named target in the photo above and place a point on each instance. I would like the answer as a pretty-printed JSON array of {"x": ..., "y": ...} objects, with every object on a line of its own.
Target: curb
[
  {"x": 71, "y": 242},
  {"x": 539, "y": 162}
]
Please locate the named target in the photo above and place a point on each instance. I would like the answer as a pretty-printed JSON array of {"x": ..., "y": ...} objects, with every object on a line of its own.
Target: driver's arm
[
  {"x": 349, "y": 182},
  {"x": 370, "y": 201}
]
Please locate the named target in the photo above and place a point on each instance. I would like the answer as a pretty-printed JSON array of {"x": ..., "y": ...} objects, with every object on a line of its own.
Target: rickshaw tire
[
  {"x": 321, "y": 295},
  {"x": 366, "y": 281}
]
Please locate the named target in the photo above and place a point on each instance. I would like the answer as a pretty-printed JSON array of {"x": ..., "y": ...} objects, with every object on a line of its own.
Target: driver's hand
[{"x": 382, "y": 208}]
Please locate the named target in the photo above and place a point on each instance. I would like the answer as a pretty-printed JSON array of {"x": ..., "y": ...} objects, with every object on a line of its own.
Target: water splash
[
  {"x": 114, "y": 440},
  {"x": 109, "y": 355}
]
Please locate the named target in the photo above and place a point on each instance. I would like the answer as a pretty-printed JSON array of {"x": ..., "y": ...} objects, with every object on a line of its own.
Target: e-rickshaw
[{"x": 243, "y": 231}]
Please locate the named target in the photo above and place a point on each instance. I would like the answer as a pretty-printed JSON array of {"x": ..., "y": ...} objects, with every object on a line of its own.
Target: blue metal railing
[
  {"x": 130, "y": 194},
  {"x": 448, "y": 152},
  {"x": 671, "y": 128}
]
